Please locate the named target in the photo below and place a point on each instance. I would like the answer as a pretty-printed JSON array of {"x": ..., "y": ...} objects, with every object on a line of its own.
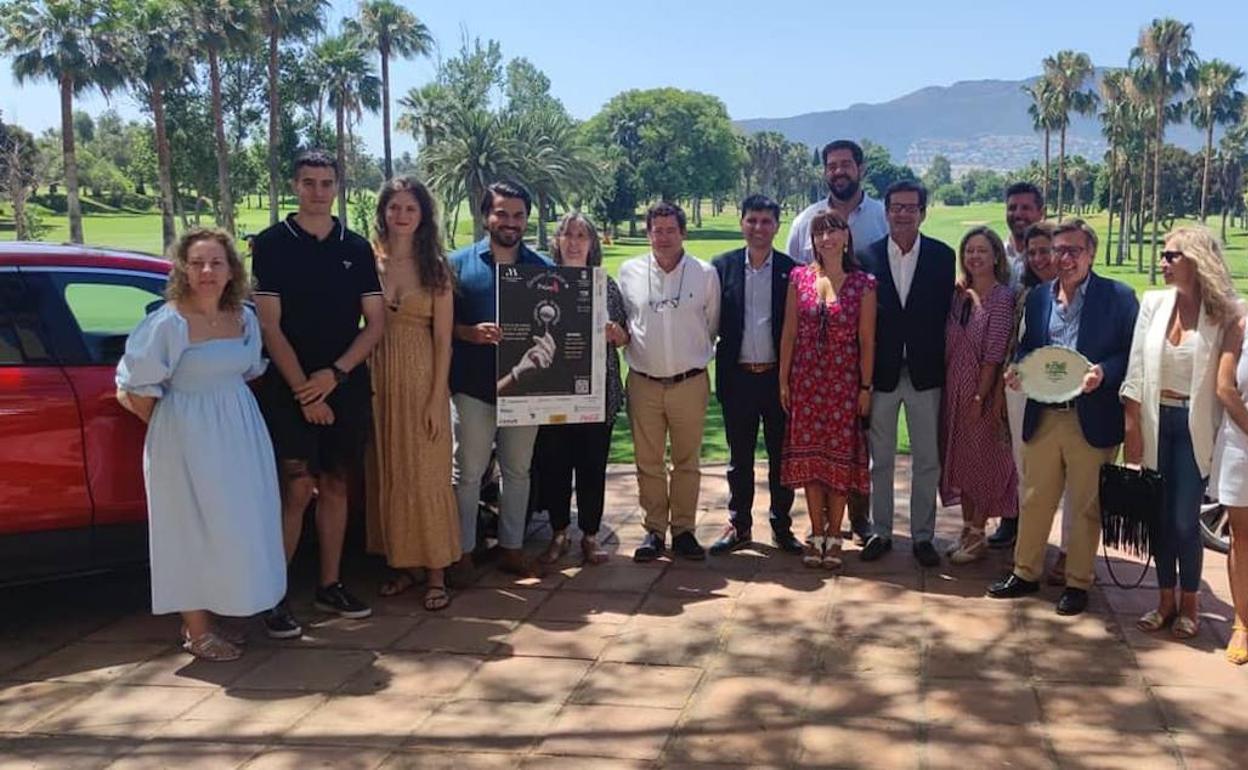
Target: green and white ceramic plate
[{"x": 1053, "y": 374}]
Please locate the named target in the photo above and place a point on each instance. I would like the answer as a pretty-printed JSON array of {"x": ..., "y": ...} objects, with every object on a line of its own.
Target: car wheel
[{"x": 1215, "y": 529}]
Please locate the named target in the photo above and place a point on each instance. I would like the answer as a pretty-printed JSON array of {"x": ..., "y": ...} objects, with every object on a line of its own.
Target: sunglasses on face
[{"x": 1170, "y": 257}]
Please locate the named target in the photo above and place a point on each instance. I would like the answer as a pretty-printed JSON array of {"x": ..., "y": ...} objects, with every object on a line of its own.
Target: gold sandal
[
  {"x": 210, "y": 647},
  {"x": 1185, "y": 627},
  {"x": 1153, "y": 620},
  {"x": 1237, "y": 655}
]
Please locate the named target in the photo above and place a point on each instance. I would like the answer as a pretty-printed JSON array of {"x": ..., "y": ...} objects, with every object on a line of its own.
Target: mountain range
[{"x": 973, "y": 123}]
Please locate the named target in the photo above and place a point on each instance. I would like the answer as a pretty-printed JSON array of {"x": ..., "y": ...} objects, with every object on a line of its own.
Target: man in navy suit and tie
[
  {"x": 1065, "y": 444},
  {"x": 754, "y": 281},
  {"x": 915, "y": 286}
]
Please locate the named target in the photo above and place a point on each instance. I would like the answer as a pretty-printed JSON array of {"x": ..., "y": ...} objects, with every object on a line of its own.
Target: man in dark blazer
[
  {"x": 754, "y": 281},
  {"x": 1065, "y": 444},
  {"x": 914, "y": 277}
]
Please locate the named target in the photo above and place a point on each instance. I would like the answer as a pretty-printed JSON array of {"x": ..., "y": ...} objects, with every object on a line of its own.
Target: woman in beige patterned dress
[{"x": 412, "y": 516}]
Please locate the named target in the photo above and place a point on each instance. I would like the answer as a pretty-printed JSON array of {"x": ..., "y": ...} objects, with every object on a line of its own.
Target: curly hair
[
  {"x": 431, "y": 263},
  {"x": 179, "y": 285},
  {"x": 1217, "y": 291},
  {"x": 1000, "y": 266}
]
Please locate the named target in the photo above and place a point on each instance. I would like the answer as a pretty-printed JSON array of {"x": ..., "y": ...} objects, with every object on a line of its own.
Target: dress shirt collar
[
  {"x": 895, "y": 252},
  {"x": 1080, "y": 291},
  {"x": 766, "y": 262}
]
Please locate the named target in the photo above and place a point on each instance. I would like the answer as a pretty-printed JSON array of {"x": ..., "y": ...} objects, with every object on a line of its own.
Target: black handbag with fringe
[{"x": 1131, "y": 501}]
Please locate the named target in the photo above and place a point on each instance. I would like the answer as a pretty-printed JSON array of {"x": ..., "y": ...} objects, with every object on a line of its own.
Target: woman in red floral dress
[{"x": 827, "y": 355}]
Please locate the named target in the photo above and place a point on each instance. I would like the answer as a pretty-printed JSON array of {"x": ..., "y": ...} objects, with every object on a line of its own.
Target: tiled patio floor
[{"x": 748, "y": 659}]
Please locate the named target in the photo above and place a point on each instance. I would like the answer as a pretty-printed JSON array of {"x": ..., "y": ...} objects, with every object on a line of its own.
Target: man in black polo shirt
[{"x": 314, "y": 280}]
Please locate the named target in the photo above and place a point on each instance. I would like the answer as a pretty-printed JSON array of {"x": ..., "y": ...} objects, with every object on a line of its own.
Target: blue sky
[{"x": 763, "y": 59}]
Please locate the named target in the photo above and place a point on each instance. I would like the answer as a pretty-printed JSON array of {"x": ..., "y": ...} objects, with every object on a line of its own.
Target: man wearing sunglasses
[
  {"x": 1066, "y": 443},
  {"x": 672, "y": 300}
]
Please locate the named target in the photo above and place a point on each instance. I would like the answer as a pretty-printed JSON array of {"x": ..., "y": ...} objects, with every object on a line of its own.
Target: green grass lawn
[{"x": 717, "y": 235}]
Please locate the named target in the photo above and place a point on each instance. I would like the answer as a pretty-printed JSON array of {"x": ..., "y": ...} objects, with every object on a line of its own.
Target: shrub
[{"x": 951, "y": 195}]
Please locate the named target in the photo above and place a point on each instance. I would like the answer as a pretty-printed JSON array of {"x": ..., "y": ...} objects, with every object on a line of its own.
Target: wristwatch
[
  {"x": 340, "y": 376},
  {"x": 866, "y": 386}
]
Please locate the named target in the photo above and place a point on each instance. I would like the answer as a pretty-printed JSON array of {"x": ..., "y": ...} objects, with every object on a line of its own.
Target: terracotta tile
[
  {"x": 123, "y": 712},
  {"x": 16, "y": 653},
  {"x": 745, "y": 651},
  {"x": 840, "y": 700},
  {"x": 621, "y": 576},
  {"x": 298, "y": 758},
  {"x": 186, "y": 755},
  {"x": 624, "y": 684},
  {"x": 1119, "y": 707},
  {"x": 233, "y": 714},
  {"x": 1103, "y": 749},
  {"x": 546, "y": 762},
  {"x": 878, "y": 622},
  {"x": 464, "y": 635},
  {"x": 953, "y": 702},
  {"x": 176, "y": 668},
  {"x": 496, "y": 603},
  {"x": 1050, "y": 629},
  {"x": 561, "y": 640},
  {"x": 22, "y": 705},
  {"x": 1168, "y": 661},
  {"x": 425, "y": 759},
  {"x": 485, "y": 726},
  {"x": 525, "y": 679},
  {"x": 1109, "y": 662},
  {"x": 964, "y": 745},
  {"x": 89, "y": 663},
  {"x": 552, "y": 577},
  {"x": 732, "y": 742},
  {"x": 628, "y": 732},
  {"x": 955, "y": 658},
  {"x": 572, "y": 606},
  {"x": 371, "y": 633},
  {"x": 701, "y": 609},
  {"x": 422, "y": 674},
  {"x": 745, "y": 699},
  {"x": 374, "y": 720},
  {"x": 786, "y": 588},
  {"x": 995, "y": 623},
  {"x": 869, "y": 655},
  {"x": 858, "y": 743},
  {"x": 700, "y": 581},
  {"x": 1211, "y": 752},
  {"x": 313, "y": 670},
  {"x": 1218, "y": 710},
  {"x": 671, "y": 645},
  {"x": 811, "y": 616},
  {"x": 161, "y": 629},
  {"x": 61, "y": 752}
]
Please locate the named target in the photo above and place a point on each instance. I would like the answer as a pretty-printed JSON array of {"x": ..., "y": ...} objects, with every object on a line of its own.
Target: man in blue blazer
[
  {"x": 754, "y": 281},
  {"x": 1066, "y": 444},
  {"x": 914, "y": 277}
]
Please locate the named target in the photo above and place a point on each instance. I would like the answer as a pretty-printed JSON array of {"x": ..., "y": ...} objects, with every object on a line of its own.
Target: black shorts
[{"x": 337, "y": 448}]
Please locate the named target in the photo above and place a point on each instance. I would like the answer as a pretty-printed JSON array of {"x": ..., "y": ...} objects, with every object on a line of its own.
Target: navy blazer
[
  {"x": 1106, "y": 325},
  {"x": 731, "y": 269},
  {"x": 919, "y": 327}
]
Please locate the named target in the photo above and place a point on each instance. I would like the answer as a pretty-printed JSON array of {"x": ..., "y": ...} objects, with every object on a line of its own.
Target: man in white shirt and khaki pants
[{"x": 672, "y": 300}]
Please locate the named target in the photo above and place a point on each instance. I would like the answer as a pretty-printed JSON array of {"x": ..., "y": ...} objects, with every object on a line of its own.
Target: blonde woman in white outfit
[
  {"x": 1172, "y": 412},
  {"x": 1230, "y": 477}
]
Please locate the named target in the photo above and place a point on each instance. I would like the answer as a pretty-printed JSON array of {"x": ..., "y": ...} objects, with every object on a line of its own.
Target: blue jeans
[
  {"x": 1178, "y": 543},
  {"x": 476, "y": 433}
]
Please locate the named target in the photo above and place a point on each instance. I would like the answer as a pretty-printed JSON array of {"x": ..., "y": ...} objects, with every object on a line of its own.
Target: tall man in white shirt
[
  {"x": 843, "y": 169},
  {"x": 672, "y": 301}
]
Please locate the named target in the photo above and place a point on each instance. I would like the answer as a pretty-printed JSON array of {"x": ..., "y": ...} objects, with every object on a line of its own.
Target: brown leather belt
[
  {"x": 675, "y": 378},
  {"x": 757, "y": 368}
]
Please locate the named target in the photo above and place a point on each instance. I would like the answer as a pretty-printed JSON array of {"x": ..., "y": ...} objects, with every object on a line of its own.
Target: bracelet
[{"x": 865, "y": 387}]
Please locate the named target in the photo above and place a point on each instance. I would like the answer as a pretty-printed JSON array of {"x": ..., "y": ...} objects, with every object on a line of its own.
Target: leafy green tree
[
  {"x": 19, "y": 173},
  {"x": 1166, "y": 55},
  {"x": 74, "y": 43},
  {"x": 392, "y": 30},
  {"x": 1215, "y": 101},
  {"x": 939, "y": 173},
  {"x": 350, "y": 87},
  {"x": 881, "y": 172},
  {"x": 1066, "y": 72}
]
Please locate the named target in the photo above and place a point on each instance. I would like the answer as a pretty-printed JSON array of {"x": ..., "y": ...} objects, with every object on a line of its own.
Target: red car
[{"x": 71, "y": 459}]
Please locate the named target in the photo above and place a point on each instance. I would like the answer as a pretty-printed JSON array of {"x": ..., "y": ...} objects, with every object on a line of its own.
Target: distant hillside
[{"x": 974, "y": 123}]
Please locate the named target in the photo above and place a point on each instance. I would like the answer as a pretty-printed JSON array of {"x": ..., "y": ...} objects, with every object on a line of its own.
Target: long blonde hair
[
  {"x": 179, "y": 285},
  {"x": 1217, "y": 291}
]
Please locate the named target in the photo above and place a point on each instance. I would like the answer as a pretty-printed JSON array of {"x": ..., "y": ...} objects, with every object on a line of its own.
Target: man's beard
[
  {"x": 504, "y": 238},
  {"x": 851, "y": 188}
]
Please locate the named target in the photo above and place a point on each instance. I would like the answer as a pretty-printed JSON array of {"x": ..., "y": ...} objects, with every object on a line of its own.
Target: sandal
[
  {"x": 236, "y": 637},
  {"x": 832, "y": 553},
  {"x": 210, "y": 647},
  {"x": 812, "y": 553},
  {"x": 401, "y": 581},
  {"x": 559, "y": 545},
  {"x": 1153, "y": 620},
  {"x": 1237, "y": 655},
  {"x": 1185, "y": 627},
  {"x": 961, "y": 541},
  {"x": 436, "y": 598},
  {"x": 592, "y": 551},
  {"x": 972, "y": 548}
]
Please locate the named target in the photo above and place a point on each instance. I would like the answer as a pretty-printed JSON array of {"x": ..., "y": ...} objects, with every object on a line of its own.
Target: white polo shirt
[{"x": 672, "y": 317}]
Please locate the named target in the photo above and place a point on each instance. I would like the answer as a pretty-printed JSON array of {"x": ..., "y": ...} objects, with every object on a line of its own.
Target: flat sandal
[
  {"x": 1153, "y": 620},
  {"x": 1185, "y": 627},
  {"x": 210, "y": 647}
]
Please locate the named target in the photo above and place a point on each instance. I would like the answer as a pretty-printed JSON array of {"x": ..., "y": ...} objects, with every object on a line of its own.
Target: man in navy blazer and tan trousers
[
  {"x": 1066, "y": 444},
  {"x": 915, "y": 286},
  {"x": 754, "y": 282}
]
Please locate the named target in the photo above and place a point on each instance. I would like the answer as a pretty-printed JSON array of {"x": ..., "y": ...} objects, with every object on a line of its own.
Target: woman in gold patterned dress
[{"x": 412, "y": 516}]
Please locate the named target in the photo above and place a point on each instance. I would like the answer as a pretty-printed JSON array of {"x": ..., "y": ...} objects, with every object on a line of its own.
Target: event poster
[{"x": 552, "y": 355}]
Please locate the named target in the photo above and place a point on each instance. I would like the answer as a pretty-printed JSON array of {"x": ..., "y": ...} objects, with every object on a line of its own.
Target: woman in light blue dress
[{"x": 212, "y": 492}]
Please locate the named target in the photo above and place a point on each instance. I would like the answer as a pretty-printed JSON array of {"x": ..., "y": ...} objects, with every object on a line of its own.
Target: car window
[
  {"x": 106, "y": 306},
  {"x": 21, "y": 338}
]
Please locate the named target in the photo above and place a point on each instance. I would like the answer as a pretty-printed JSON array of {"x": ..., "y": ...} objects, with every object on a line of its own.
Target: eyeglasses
[
  {"x": 1171, "y": 256},
  {"x": 1067, "y": 251},
  {"x": 667, "y": 303},
  {"x": 904, "y": 208}
]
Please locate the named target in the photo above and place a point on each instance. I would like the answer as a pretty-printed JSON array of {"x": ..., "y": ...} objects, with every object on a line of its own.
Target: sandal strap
[{"x": 210, "y": 646}]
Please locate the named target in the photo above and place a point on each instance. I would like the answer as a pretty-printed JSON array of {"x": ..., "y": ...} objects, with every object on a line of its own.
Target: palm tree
[
  {"x": 221, "y": 25},
  {"x": 1043, "y": 114},
  {"x": 553, "y": 162},
  {"x": 1165, "y": 47},
  {"x": 1114, "y": 105},
  {"x": 1066, "y": 72},
  {"x": 75, "y": 43},
  {"x": 1233, "y": 154},
  {"x": 161, "y": 62},
  {"x": 283, "y": 20},
  {"x": 392, "y": 29},
  {"x": 350, "y": 87},
  {"x": 423, "y": 110},
  {"x": 1215, "y": 100}
]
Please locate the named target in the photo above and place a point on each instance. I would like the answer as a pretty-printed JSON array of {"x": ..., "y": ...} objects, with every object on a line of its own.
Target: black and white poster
[{"x": 551, "y": 358}]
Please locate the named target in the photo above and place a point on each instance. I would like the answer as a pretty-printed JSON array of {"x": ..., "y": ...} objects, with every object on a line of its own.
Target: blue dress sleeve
[
  {"x": 152, "y": 353},
  {"x": 254, "y": 344}
]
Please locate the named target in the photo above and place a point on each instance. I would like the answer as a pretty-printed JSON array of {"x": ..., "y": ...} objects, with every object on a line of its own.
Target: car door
[
  {"x": 100, "y": 307},
  {"x": 45, "y": 505}
]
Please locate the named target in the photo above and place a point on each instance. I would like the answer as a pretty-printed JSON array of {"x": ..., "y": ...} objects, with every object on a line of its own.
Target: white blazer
[{"x": 1143, "y": 380}]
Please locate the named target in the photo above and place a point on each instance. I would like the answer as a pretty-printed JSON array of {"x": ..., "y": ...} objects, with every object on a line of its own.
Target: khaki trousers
[
  {"x": 1057, "y": 459},
  {"x": 657, "y": 411}
]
